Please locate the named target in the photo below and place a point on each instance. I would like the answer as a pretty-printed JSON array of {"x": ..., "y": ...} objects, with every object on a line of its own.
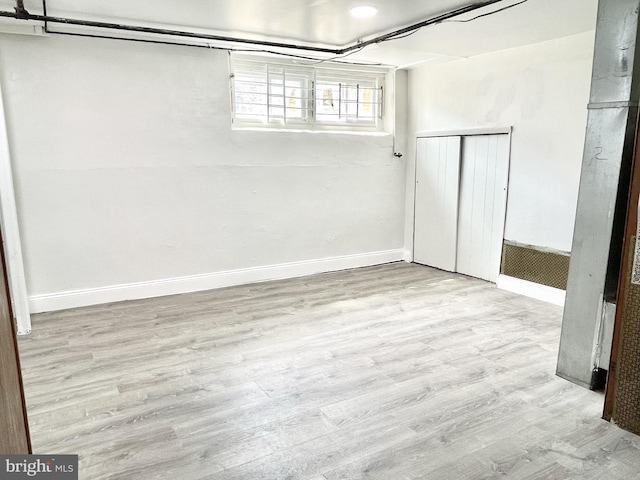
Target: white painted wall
[
  {"x": 542, "y": 90},
  {"x": 127, "y": 171}
]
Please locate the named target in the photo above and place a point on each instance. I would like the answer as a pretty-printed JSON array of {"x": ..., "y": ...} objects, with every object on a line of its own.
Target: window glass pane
[
  {"x": 346, "y": 101},
  {"x": 350, "y": 94},
  {"x": 250, "y": 96},
  {"x": 276, "y": 93},
  {"x": 295, "y": 98},
  {"x": 368, "y": 100},
  {"x": 328, "y": 101}
]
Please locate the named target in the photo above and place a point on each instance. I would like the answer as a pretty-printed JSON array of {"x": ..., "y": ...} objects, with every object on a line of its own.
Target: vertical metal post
[{"x": 604, "y": 187}]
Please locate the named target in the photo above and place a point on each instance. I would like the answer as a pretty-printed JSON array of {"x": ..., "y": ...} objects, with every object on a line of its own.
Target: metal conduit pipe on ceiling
[{"x": 21, "y": 13}]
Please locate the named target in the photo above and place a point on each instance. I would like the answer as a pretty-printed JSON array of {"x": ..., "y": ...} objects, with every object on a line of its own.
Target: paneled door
[
  {"x": 436, "y": 208},
  {"x": 461, "y": 195},
  {"x": 482, "y": 204}
]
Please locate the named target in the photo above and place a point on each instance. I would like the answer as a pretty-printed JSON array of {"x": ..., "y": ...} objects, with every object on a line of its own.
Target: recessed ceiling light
[{"x": 363, "y": 11}]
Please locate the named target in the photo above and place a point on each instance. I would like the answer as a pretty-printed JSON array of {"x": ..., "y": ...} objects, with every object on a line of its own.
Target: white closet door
[
  {"x": 436, "y": 210},
  {"x": 483, "y": 191}
]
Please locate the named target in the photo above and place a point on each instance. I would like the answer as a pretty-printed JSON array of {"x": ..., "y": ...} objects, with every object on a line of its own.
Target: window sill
[{"x": 372, "y": 133}]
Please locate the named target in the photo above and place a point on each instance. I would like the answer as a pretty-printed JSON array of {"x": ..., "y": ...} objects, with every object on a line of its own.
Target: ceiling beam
[{"x": 21, "y": 14}]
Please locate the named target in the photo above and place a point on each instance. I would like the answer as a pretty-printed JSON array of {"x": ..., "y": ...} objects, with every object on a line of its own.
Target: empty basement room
[{"x": 318, "y": 239}]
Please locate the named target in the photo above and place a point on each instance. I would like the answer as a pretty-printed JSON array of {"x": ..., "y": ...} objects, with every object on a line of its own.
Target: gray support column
[{"x": 604, "y": 186}]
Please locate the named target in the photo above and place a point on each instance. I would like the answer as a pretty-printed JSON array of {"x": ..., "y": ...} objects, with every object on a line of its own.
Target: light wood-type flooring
[{"x": 387, "y": 373}]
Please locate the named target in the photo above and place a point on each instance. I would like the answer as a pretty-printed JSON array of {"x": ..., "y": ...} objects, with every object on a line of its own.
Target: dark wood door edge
[
  {"x": 626, "y": 265},
  {"x": 19, "y": 441}
]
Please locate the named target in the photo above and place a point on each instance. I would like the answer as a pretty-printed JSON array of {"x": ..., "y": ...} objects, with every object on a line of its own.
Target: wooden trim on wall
[
  {"x": 14, "y": 427},
  {"x": 629, "y": 232}
]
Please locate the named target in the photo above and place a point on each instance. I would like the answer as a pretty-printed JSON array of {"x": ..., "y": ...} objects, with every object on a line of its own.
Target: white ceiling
[{"x": 327, "y": 23}]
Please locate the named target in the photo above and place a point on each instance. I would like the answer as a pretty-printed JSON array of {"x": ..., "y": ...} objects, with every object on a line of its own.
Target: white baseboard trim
[
  {"x": 208, "y": 281},
  {"x": 408, "y": 256},
  {"x": 530, "y": 289}
]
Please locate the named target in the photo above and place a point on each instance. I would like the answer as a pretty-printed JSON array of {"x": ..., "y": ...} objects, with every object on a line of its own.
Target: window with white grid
[{"x": 282, "y": 95}]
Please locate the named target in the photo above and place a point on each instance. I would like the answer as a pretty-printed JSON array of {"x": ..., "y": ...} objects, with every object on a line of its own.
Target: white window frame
[{"x": 326, "y": 97}]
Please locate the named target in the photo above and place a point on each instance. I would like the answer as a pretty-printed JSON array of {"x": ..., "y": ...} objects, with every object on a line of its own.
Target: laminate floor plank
[{"x": 382, "y": 373}]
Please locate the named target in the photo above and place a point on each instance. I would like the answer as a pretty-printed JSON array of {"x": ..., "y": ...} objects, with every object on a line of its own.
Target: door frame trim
[
  {"x": 465, "y": 132},
  {"x": 11, "y": 229}
]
